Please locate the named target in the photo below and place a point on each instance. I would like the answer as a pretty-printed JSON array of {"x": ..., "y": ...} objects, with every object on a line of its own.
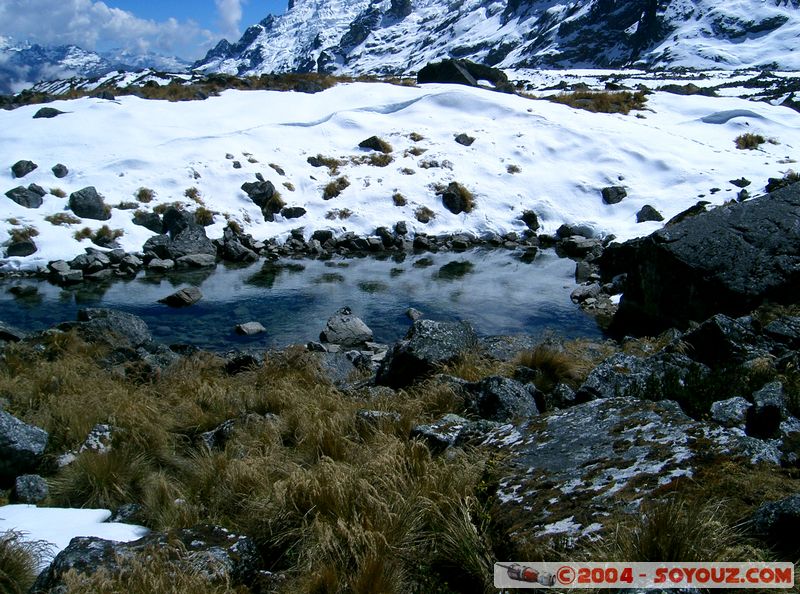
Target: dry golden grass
[
  {"x": 602, "y": 101},
  {"x": 749, "y": 141},
  {"x": 335, "y": 188},
  {"x": 58, "y": 192},
  {"x": 203, "y": 216},
  {"x": 23, "y": 234},
  {"x": 145, "y": 195},
  {"x": 18, "y": 562},
  {"x": 399, "y": 199},
  {"x": 424, "y": 214}
]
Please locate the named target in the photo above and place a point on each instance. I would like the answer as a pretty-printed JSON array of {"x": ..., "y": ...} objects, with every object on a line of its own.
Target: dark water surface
[{"x": 493, "y": 289}]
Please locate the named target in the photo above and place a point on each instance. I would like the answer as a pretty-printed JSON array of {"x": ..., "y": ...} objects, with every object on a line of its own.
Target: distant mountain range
[
  {"x": 24, "y": 64},
  {"x": 400, "y": 36}
]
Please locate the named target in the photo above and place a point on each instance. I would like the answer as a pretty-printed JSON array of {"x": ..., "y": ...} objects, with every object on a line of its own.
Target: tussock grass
[
  {"x": 18, "y": 562},
  {"x": 749, "y": 141},
  {"x": 416, "y": 137},
  {"x": 338, "y": 213},
  {"x": 331, "y": 500},
  {"x": 473, "y": 366},
  {"x": 553, "y": 366},
  {"x": 335, "y": 188},
  {"x": 331, "y": 163},
  {"x": 381, "y": 159},
  {"x": 193, "y": 194},
  {"x": 399, "y": 199},
  {"x": 58, "y": 192},
  {"x": 289, "y": 186},
  {"x": 63, "y": 218},
  {"x": 424, "y": 214},
  {"x": 23, "y": 234},
  {"x": 103, "y": 236},
  {"x": 203, "y": 216},
  {"x": 602, "y": 101},
  {"x": 145, "y": 195}
]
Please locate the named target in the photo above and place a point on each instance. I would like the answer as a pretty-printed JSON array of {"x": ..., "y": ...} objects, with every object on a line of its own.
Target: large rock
[
  {"x": 345, "y": 329},
  {"x": 88, "y": 204},
  {"x": 47, "y": 113},
  {"x": 575, "y": 466},
  {"x": 21, "y": 248},
  {"x": 25, "y": 197},
  {"x": 213, "y": 552},
  {"x": 778, "y": 523},
  {"x": 768, "y": 410},
  {"x": 23, "y": 168},
  {"x": 30, "y": 488},
  {"x": 721, "y": 340},
  {"x": 183, "y": 297},
  {"x": 111, "y": 326},
  {"x": 727, "y": 260},
  {"x": 21, "y": 447},
  {"x": 463, "y": 72},
  {"x": 501, "y": 399},
  {"x": 427, "y": 346}
]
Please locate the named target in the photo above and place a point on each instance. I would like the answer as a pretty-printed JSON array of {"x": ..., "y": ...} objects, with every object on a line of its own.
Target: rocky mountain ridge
[{"x": 401, "y": 36}]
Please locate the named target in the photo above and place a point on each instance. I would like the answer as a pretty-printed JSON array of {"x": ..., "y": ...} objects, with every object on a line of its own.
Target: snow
[
  {"x": 57, "y": 526},
  {"x": 677, "y": 151}
]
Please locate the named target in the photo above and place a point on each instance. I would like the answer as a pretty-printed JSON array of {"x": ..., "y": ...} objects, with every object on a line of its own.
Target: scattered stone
[
  {"x": 148, "y": 220},
  {"x": 183, "y": 298},
  {"x": 159, "y": 265},
  {"x": 88, "y": 204},
  {"x": 250, "y": 328},
  {"x": 21, "y": 447},
  {"x": 345, "y": 329},
  {"x": 23, "y": 248},
  {"x": 531, "y": 220},
  {"x": 768, "y": 410},
  {"x": 60, "y": 171},
  {"x": 25, "y": 197},
  {"x": 37, "y": 189},
  {"x": 219, "y": 555},
  {"x": 465, "y": 139},
  {"x": 613, "y": 194},
  {"x": 731, "y": 412},
  {"x": 109, "y": 325},
  {"x": 501, "y": 399},
  {"x": 457, "y": 199},
  {"x": 426, "y": 347},
  {"x": 293, "y": 212},
  {"x": 584, "y": 292},
  {"x": 23, "y": 168},
  {"x": 234, "y": 251},
  {"x": 30, "y": 488},
  {"x": 196, "y": 261},
  {"x": 778, "y": 523},
  {"x": 741, "y": 182},
  {"x": 47, "y": 112},
  {"x": 375, "y": 144},
  {"x": 648, "y": 213}
]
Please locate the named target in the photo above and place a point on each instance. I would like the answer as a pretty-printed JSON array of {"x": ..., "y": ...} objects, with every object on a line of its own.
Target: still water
[{"x": 493, "y": 289}]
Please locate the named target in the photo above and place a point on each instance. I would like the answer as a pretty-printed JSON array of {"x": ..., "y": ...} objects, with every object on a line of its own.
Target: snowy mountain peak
[{"x": 399, "y": 36}]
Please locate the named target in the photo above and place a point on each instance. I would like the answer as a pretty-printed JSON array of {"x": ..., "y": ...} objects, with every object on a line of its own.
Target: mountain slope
[
  {"x": 24, "y": 64},
  {"x": 399, "y": 36}
]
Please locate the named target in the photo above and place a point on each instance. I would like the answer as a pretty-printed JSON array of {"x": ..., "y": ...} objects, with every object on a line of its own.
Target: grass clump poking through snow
[
  {"x": 335, "y": 187},
  {"x": 203, "y": 216},
  {"x": 424, "y": 214},
  {"x": 58, "y": 193},
  {"x": 399, "y": 199},
  {"x": 62, "y": 218},
  {"x": 193, "y": 194},
  {"x": 19, "y": 560},
  {"x": 103, "y": 237},
  {"x": 145, "y": 195},
  {"x": 602, "y": 101},
  {"x": 749, "y": 141},
  {"x": 338, "y": 213},
  {"x": 23, "y": 234}
]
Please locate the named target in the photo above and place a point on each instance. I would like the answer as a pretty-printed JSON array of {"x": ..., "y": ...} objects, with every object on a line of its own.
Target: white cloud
[
  {"x": 93, "y": 25},
  {"x": 230, "y": 16}
]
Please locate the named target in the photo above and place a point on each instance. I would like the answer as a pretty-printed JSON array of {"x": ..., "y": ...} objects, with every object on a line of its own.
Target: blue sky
[{"x": 186, "y": 28}]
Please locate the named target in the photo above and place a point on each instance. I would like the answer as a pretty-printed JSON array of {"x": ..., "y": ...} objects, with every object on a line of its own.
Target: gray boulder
[
  {"x": 30, "y": 488},
  {"x": 731, "y": 412},
  {"x": 427, "y": 346},
  {"x": 22, "y": 248},
  {"x": 159, "y": 265},
  {"x": 727, "y": 260},
  {"x": 88, "y": 204},
  {"x": 648, "y": 213},
  {"x": 293, "y": 212},
  {"x": 235, "y": 251},
  {"x": 183, "y": 297},
  {"x": 196, "y": 261},
  {"x": 23, "y": 168},
  {"x": 191, "y": 240},
  {"x": 47, "y": 113},
  {"x": 25, "y": 197},
  {"x": 501, "y": 399},
  {"x": 613, "y": 194},
  {"x": 21, "y": 447},
  {"x": 785, "y": 330},
  {"x": 148, "y": 220},
  {"x": 112, "y": 325},
  {"x": 465, "y": 139},
  {"x": 346, "y": 329},
  {"x": 250, "y": 328},
  {"x": 60, "y": 170},
  {"x": 768, "y": 410},
  {"x": 721, "y": 340},
  {"x": 778, "y": 523},
  {"x": 219, "y": 555}
]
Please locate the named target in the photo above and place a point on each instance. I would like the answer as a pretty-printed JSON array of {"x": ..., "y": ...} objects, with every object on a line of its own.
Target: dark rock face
[
  {"x": 456, "y": 200},
  {"x": 346, "y": 330},
  {"x": 148, "y": 220},
  {"x": 463, "y": 72},
  {"x": 264, "y": 195},
  {"x": 30, "y": 488},
  {"x": 768, "y": 410},
  {"x": 778, "y": 523},
  {"x": 427, "y": 345},
  {"x": 728, "y": 260},
  {"x": 613, "y": 194},
  {"x": 293, "y": 212},
  {"x": 721, "y": 340},
  {"x": 47, "y": 112},
  {"x": 23, "y": 168},
  {"x": 531, "y": 220},
  {"x": 25, "y": 197},
  {"x": 109, "y": 324},
  {"x": 182, "y": 236},
  {"x": 60, "y": 171},
  {"x": 88, "y": 204},
  {"x": 374, "y": 143},
  {"x": 465, "y": 139},
  {"x": 217, "y": 553},
  {"x": 21, "y": 447},
  {"x": 183, "y": 297},
  {"x": 501, "y": 399},
  {"x": 600, "y": 454}
]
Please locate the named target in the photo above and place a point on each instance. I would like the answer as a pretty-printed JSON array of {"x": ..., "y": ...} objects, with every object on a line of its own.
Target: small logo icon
[
  {"x": 523, "y": 573},
  {"x": 566, "y": 575}
]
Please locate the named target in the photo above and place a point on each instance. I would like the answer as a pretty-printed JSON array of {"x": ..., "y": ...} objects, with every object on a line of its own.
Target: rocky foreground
[{"x": 585, "y": 434}]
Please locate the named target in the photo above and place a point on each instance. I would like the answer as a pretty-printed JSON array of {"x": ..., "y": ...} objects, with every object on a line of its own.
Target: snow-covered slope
[
  {"x": 24, "y": 64},
  {"x": 528, "y": 155},
  {"x": 399, "y": 36}
]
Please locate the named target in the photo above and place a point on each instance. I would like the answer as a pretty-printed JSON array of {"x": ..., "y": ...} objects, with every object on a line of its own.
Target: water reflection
[{"x": 494, "y": 289}]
